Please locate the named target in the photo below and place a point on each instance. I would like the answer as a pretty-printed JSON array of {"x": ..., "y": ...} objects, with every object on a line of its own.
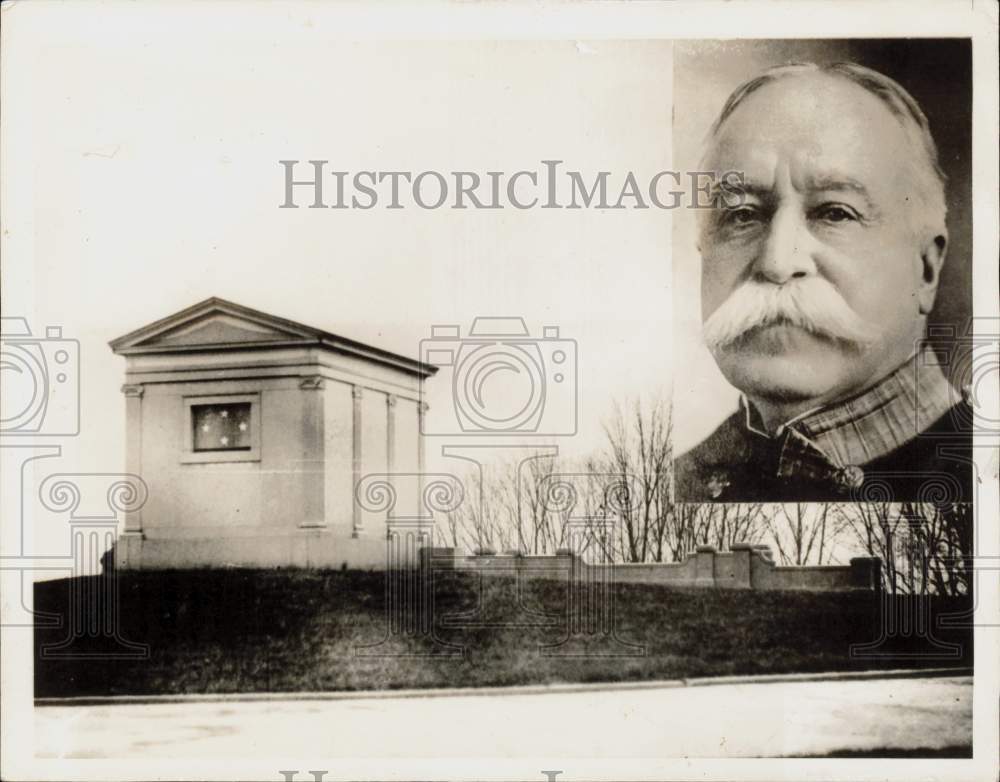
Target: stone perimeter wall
[{"x": 745, "y": 566}]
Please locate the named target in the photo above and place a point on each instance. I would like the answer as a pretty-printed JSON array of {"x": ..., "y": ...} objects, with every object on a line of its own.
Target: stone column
[
  {"x": 133, "y": 449},
  {"x": 313, "y": 446}
]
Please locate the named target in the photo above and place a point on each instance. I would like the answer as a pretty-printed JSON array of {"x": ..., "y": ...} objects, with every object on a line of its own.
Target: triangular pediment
[
  {"x": 218, "y": 328},
  {"x": 214, "y": 324},
  {"x": 218, "y": 325}
]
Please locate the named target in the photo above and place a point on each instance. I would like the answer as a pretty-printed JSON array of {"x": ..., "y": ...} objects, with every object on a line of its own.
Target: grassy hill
[{"x": 283, "y": 631}]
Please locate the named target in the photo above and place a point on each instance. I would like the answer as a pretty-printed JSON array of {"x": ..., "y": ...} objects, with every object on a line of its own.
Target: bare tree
[
  {"x": 953, "y": 549},
  {"x": 802, "y": 533},
  {"x": 924, "y": 547},
  {"x": 639, "y": 452},
  {"x": 875, "y": 525},
  {"x": 539, "y": 526},
  {"x": 483, "y": 519},
  {"x": 511, "y": 505},
  {"x": 528, "y": 502},
  {"x": 937, "y": 554},
  {"x": 713, "y": 524},
  {"x": 727, "y": 524}
]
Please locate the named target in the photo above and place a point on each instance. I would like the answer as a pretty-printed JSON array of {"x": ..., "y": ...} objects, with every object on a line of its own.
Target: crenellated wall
[{"x": 745, "y": 566}]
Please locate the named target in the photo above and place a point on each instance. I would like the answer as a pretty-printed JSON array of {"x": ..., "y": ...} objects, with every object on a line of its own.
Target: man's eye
[
  {"x": 835, "y": 213},
  {"x": 741, "y": 215}
]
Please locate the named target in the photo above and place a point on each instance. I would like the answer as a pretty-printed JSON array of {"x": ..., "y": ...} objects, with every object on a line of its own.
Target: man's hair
[{"x": 928, "y": 176}]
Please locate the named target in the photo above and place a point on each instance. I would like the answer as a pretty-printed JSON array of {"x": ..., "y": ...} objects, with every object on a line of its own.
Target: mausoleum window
[
  {"x": 224, "y": 427},
  {"x": 221, "y": 428}
]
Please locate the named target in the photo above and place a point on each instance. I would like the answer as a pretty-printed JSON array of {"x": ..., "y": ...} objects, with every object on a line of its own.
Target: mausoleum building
[{"x": 252, "y": 431}]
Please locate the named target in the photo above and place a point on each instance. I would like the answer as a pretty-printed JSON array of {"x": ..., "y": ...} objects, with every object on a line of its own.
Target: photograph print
[{"x": 409, "y": 394}]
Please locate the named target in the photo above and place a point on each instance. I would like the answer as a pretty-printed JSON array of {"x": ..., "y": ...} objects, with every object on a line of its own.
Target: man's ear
[{"x": 931, "y": 260}]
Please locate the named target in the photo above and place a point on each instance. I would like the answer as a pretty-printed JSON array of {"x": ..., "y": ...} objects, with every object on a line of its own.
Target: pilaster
[
  {"x": 133, "y": 448},
  {"x": 313, "y": 443},
  {"x": 358, "y": 395}
]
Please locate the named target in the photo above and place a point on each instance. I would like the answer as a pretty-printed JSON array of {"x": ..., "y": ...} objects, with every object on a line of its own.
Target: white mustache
[{"x": 811, "y": 304}]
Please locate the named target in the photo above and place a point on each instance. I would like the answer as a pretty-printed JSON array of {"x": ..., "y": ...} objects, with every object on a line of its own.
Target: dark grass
[
  {"x": 957, "y": 752},
  {"x": 288, "y": 631}
]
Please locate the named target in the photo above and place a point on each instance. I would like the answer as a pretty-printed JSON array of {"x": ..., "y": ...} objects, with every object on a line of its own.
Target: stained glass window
[{"x": 223, "y": 427}]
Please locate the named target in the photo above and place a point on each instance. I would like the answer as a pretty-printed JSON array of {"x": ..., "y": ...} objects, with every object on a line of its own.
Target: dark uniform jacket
[{"x": 906, "y": 439}]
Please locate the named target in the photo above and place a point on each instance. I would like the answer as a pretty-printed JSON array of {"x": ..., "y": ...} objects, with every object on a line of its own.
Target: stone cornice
[{"x": 264, "y": 332}]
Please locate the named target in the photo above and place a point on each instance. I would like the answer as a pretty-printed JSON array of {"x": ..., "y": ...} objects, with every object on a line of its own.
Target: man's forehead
[
  {"x": 822, "y": 127},
  {"x": 805, "y": 178}
]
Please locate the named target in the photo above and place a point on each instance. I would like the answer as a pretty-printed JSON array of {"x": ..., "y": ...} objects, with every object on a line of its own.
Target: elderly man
[{"x": 820, "y": 263}]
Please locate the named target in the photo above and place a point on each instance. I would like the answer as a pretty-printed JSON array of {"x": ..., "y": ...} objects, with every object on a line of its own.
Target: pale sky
[{"x": 156, "y": 185}]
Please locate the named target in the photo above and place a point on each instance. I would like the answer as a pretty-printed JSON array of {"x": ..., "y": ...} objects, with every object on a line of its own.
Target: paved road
[{"x": 762, "y": 720}]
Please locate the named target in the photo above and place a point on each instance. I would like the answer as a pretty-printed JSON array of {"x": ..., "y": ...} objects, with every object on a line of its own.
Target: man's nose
[{"x": 786, "y": 253}]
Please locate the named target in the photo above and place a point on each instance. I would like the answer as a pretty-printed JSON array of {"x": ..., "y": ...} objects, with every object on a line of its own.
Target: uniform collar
[{"x": 865, "y": 427}]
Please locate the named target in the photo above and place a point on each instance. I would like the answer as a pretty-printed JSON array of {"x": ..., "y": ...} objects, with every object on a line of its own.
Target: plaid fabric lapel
[{"x": 836, "y": 440}]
